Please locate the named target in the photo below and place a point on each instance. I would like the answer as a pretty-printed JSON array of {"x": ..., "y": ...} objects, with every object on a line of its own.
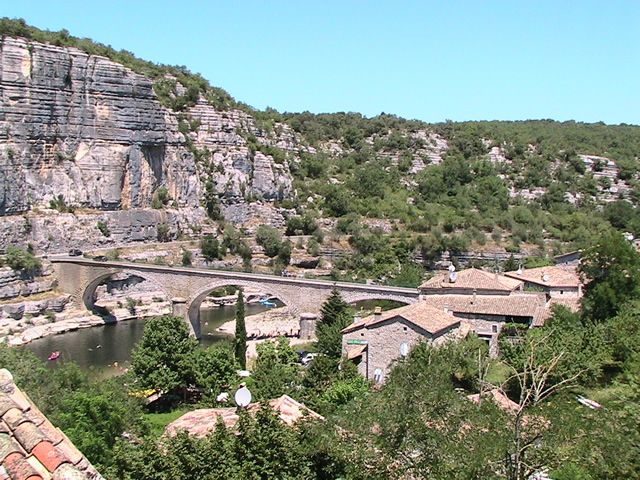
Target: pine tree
[
  {"x": 335, "y": 315},
  {"x": 241, "y": 333}
]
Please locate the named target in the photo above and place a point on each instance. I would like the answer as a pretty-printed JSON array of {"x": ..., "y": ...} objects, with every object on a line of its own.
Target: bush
[
  {"x": 104, "y": 228},
  {"x": 160, "y": 198},
  {"x": 269, "y": 239},
  {"x": 163, "y": 232},
  {"x": 22, "y": 260}
]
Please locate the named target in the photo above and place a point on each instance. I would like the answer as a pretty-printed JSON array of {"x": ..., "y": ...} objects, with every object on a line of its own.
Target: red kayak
[{"x": 54, "y": 355}]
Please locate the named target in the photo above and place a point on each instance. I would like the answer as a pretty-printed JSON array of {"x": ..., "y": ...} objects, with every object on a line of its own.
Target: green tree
[
  {"x": 187, "y": 257},
  {"x": 94, "y": 418},
  {"x": 240, "y": 342},
  {"x": 21, "y": 260},
  {"x": 269, "y": 239},
  {"x": 611, "y": 272},
  {"x": 215, "y": 370},
  {"x": 276, "y": 371},
  {"x": 163, "y": 359},
  {"x": 335, "y": 315},
  {"x": 210, "y": 248}
]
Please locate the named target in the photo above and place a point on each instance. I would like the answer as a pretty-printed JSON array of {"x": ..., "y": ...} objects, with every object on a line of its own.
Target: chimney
[
  {"x": 377, "y": 313},
  {"x": 356, "y": 318},
  {"x": 473, "y": 299}
]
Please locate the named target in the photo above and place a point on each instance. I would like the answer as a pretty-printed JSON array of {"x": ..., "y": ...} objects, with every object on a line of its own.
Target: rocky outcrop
[
  {"x": 86, "y": 128},
  {"x": 13, "y": 284},
  {"x": 94, "y": 132},
  {"x": 57, "y": 233}
]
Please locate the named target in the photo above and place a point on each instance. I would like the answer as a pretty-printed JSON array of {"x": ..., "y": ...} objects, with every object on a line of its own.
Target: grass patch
[
  {"x": 158, "y": 421},
  {"x": 498, "y": 373}
]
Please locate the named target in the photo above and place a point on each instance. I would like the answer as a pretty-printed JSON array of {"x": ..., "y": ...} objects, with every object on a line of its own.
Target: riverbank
[{"x": 267, "y": 325}]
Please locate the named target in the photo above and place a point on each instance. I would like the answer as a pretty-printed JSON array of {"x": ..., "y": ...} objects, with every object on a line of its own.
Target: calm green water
[{"x": 96, "y": 349}]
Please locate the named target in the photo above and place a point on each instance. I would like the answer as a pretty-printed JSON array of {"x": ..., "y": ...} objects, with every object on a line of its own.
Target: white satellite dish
[
  {"x": 242, "y": 397},
  {"x": 545, "y": 277},
  {"x": 404, "y": 349},
  {"x": 453, "y": 276},
  {"x": 452, "y": 268}
]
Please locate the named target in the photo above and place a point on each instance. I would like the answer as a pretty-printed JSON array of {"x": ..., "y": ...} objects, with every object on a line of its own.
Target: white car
[{"x": 306, "y": 360}]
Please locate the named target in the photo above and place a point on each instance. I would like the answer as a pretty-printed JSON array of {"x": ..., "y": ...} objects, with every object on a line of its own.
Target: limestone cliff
[{"x": 93, "y": 131}]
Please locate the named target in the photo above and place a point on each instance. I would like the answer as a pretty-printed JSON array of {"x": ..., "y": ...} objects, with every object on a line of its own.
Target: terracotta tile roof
[
  {"x": 470, "y": 279},
  {"x": 421, "y": 314},
  {"x": 202, "y": 422},
  {"x": 499, "y": 398},
  {"x": 572, "y": 304},
  {"x": 516, "y": 305},
  {"x": 554, "y": 276},
  {"x": 356, "y": 351},
  {"x": 31, "y": 448}
]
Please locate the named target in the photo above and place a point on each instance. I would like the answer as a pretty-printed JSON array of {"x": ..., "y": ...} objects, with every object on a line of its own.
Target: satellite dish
[
  {"x": 453, "y": 276},
  {"x": 404, "y": 349},
  {"x": 545, "y": 278},
  {"x": 243, "y": 397},
  {"x": 452, "y": 268}
]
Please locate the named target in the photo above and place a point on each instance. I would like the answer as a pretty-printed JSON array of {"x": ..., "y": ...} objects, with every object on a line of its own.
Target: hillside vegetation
[{"x": 540, "y": 184}]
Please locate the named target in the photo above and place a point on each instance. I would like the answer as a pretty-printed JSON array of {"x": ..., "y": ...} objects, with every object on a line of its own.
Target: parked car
[
  {"x": 308, "y": 358},
  {"x": 74, "y": 252},
  {"x": 100, "y": 258}
]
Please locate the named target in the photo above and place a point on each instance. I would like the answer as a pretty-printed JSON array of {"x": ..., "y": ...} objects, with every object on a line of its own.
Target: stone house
[
  {"x": 556, "y": 281},
  {"x": 375, "y": 342},
  {"x": 486, "y": 315},
  {"x": 470, "y": 281}
]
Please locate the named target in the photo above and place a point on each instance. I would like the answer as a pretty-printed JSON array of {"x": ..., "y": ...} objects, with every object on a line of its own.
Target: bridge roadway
[{"x": 188, "y": 286}]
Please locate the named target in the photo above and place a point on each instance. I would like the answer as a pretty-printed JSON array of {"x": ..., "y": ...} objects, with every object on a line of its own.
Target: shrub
[
  {"x": 22, "y": 260},
  {"x": 104, "y": 228},
  {"x": 270, "y": 239},
  {"x": 160, "y": 198},
  {"x": 163, "y": 232}
]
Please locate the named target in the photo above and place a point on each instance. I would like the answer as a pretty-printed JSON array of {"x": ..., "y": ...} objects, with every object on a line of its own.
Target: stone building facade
[{"x": 376, "y": 342}]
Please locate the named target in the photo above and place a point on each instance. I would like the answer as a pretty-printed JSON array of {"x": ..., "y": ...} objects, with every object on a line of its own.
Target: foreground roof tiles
[
  {"x": 553, "y": 276},
  {"x": 31, "y": 448},
  {"x": 471, "y": 279},
  {"x": 202, "y": 422},
  {"x": 421, "y": 314}
]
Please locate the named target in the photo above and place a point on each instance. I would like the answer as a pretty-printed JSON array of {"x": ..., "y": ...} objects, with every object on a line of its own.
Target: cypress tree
[
  {"x": 240, "y": 344},
  {"x": 335, "y": 315}
]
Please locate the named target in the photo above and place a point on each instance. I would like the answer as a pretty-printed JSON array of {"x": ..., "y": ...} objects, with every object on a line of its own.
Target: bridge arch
[
  {"x": 194, "y": 302},
  {"x": 89, "y": 290}
]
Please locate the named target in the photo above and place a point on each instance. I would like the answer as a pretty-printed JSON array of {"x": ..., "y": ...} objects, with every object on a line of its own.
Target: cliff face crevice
[{"x": 93, "y": 131}]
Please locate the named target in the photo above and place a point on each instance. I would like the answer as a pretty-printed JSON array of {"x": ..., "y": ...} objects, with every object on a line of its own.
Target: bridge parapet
[{"x": 80, "y": 277}]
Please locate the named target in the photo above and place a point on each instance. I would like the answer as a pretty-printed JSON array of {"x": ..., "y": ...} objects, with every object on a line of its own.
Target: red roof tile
[
  {"x": 31, "y": 448},
  {"x": 19, "y": 469},
  {"x": 421, "y": 314},
  {"x": 470, "y": 279},
  {"x": 49, "y": 456},
  {"x": 554, "y": 276}
]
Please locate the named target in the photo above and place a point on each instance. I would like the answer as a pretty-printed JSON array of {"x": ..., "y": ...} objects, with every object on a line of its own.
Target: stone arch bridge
[{"x": 187, "y": 287}]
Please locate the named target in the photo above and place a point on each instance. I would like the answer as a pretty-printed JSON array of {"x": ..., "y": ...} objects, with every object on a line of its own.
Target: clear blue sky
[{"x": 431, "y": 60}]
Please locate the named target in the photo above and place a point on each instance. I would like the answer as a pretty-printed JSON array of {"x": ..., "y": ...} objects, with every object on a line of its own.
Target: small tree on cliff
[
  {"x": 335, "y": 315},
  {"x": 240, "y": 343}
]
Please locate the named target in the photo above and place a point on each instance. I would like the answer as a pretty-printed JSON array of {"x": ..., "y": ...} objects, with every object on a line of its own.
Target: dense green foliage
[
  {"x": 22, "y": 260},
  {"x": 334, "y": 316},
  {"x": 163, "y": 358},
  {"x": 240, "y": 340}
]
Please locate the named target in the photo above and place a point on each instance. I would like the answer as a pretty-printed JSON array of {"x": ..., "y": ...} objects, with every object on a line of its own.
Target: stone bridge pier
[{"x": 188, "y": 287}]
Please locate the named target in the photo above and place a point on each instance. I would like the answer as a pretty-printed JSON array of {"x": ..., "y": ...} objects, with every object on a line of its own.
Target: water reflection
[{"x": 96, "y": 349}]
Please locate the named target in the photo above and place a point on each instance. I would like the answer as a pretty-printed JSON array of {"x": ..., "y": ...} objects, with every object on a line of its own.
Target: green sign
[{"x": 357, "y": 342}]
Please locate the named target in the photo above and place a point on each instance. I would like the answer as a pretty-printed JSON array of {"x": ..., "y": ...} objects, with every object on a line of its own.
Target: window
[
  {"x": 377, "y": 375},
  {"x": 561, "y": 292},
  {"x": 404, "y": 328},
  {"x": 494, "y": 329}
]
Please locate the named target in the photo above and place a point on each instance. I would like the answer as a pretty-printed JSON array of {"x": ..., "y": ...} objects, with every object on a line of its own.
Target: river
[{"x": 96, "y": 349}]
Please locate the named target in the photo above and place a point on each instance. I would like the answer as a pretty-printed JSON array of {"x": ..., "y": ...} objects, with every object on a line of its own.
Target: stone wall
[{"x": 384, "y": 341}]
